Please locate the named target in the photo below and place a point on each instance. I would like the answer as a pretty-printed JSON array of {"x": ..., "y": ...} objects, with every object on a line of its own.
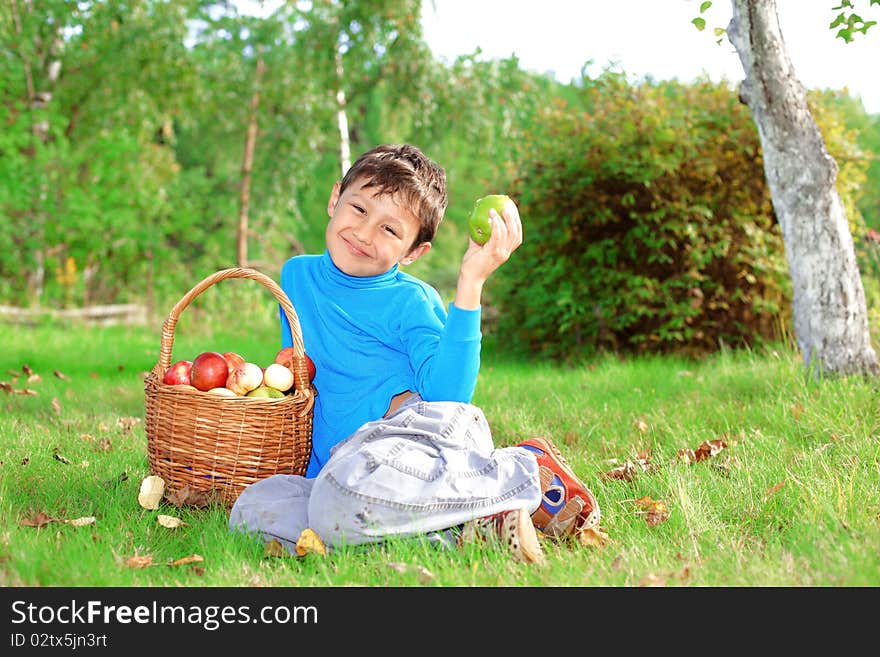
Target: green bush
[{"x": 648, "y": 226}]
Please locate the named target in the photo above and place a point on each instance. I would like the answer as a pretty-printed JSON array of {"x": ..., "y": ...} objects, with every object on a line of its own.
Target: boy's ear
[
  {"x": 416, "y": 253},
  {"x": 334, "y": 199}
]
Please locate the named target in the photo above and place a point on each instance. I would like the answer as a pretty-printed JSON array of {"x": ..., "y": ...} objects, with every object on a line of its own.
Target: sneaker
[
  {"x": 513, "y": 529},
  {"x": 567, "y": 505}
]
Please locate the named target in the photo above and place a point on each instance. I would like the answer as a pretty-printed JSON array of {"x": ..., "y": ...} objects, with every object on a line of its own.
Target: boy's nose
[{"x": 362, "y": 234}]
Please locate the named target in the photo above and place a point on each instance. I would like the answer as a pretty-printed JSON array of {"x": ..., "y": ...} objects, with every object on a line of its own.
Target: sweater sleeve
[{"x": 447, "y": 363}]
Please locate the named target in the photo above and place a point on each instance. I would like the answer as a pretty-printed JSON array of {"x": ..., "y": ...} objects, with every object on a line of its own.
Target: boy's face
[{"x": 367, "y": 235}]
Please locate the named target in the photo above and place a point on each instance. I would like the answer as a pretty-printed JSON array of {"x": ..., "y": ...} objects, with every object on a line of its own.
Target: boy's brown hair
[{"x": 404, "y": 171}]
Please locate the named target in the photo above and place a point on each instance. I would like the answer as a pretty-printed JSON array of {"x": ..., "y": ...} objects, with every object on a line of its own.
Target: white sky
[
  {"x": 644, "y": 38},
  {"x": 650, "y": 37}
]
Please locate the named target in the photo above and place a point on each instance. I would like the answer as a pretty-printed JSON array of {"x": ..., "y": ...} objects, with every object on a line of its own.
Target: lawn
[{"x": 734, "y": 471}]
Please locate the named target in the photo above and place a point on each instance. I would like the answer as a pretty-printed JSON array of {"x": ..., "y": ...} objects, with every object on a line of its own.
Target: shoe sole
[{"x": 530, "y": 550}]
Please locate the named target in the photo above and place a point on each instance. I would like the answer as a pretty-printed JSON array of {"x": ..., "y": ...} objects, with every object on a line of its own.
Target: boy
[{"x": 397, "y": 447}]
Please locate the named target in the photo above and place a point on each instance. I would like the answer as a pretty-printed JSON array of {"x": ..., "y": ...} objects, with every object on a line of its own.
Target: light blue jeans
[{"x": 428, "y": 467}]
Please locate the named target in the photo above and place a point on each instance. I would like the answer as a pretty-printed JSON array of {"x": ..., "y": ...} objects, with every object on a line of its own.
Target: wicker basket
[{"x": 218, "y": 445}]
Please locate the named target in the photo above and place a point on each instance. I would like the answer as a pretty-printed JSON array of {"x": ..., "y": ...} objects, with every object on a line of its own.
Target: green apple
[
  {"x": 265, "y": 392},
  {"x": 478, "y": 222}
]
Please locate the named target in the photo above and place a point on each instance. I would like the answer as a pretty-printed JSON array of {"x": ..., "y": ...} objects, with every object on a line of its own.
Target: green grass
[{"x": 793, "y": 500}]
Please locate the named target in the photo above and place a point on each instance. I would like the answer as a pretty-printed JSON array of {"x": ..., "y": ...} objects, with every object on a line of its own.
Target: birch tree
[{"x": 828, "y": 301}]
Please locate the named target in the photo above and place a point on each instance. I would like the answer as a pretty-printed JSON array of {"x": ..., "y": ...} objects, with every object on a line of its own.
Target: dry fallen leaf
[
  {"x": 707, "y": 449},
  {"x": 139, "y": 562},
  {"x": 61, "y": 457},
  {"x": 630, "y": 468},
  {"x": 81, "y": 522},
  {"x": 592, "y": 537},
  {"x": 27, "y": 369},
  {"x": 656, "y": 511},
  {"x": 193, "y": 558},
  {"x": 60, "y": 375},
  {"x": 6, "y": 387},
  {"x": 56, "y": 405},
  {"x": 39, "y": 519},
  {"x": 626, "y": 471},
  {"x": 774, "y": 488},
  {"x": 150, "y": 495},
  {"x": 309, "y": 541},
  {"x": 169, "y": 521},
  {"x": 187, "y": 496},
  {"x": 34, "y": 378},
  {"x": 275, "y": 549}
]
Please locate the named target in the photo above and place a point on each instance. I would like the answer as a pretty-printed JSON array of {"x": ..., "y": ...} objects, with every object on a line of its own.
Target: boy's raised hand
[{"x": 479, "y": 262}]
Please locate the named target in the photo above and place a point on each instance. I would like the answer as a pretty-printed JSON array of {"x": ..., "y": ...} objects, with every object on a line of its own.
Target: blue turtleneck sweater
[{"x": 371, "y": 338}]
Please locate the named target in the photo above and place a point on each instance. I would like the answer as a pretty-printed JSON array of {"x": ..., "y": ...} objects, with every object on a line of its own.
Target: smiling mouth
[{"x": 355, "y": 250}]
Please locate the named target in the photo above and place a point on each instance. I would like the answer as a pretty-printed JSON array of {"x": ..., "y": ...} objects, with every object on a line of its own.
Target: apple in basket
[
  {"x": 233, "y": 360},
  {"x": 178, "y": 373},
  {"x": 244, "y": 378},
  {"x": 209, "y": 370},
  {"x": 285, "y": 357},
  {"x": 222, "y": 392},
  {"x": 278, "y": 376},
  {"x": 265, "y": 392}
]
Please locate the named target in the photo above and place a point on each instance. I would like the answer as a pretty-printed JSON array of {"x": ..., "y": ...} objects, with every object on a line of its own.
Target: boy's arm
[
  {"x": 445, "y": 355},
  {"x": 479, "y": 262},
  {"x": 451, "y": 371}
]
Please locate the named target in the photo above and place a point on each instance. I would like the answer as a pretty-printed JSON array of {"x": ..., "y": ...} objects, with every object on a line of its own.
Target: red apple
[
  {"x": 233, "y": 360},
  {"x": 178, "y": 373},
  {"x": 209, "y": 370},
  {"x": 285, "y": 357}
]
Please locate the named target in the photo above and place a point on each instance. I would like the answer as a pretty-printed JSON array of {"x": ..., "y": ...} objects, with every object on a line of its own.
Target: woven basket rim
[{"x": 300, "y": 372}]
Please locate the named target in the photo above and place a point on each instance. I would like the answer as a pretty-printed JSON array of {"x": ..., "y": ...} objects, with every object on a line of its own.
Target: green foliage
[
  {"x": 120, "y": 177},
  {"x": 849, "y": 22},
  {"x": 649, "y": 226}
]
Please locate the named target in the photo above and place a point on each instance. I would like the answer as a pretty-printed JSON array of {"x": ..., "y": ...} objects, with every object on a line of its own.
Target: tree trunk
[
  {"x": 244, "y": 199},
  {"x": 37, "y": 101},
  {"x": 341, "y": 116},
  {"x": 828, "y": 300}
]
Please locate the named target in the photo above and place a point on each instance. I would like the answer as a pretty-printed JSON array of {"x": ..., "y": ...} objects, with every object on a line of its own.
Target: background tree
[
  {"x": 131, "y": 184},
  {"x": 828, "y": 300}
]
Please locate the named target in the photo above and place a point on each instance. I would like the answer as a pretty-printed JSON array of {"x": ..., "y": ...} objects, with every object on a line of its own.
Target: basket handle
[{"x": 300, "y": 370}]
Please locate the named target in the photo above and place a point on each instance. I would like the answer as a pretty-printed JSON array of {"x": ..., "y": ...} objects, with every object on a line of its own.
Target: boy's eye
[
  {"x": 391, "y": 230},
  {"x": 359, "y": 209}
]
